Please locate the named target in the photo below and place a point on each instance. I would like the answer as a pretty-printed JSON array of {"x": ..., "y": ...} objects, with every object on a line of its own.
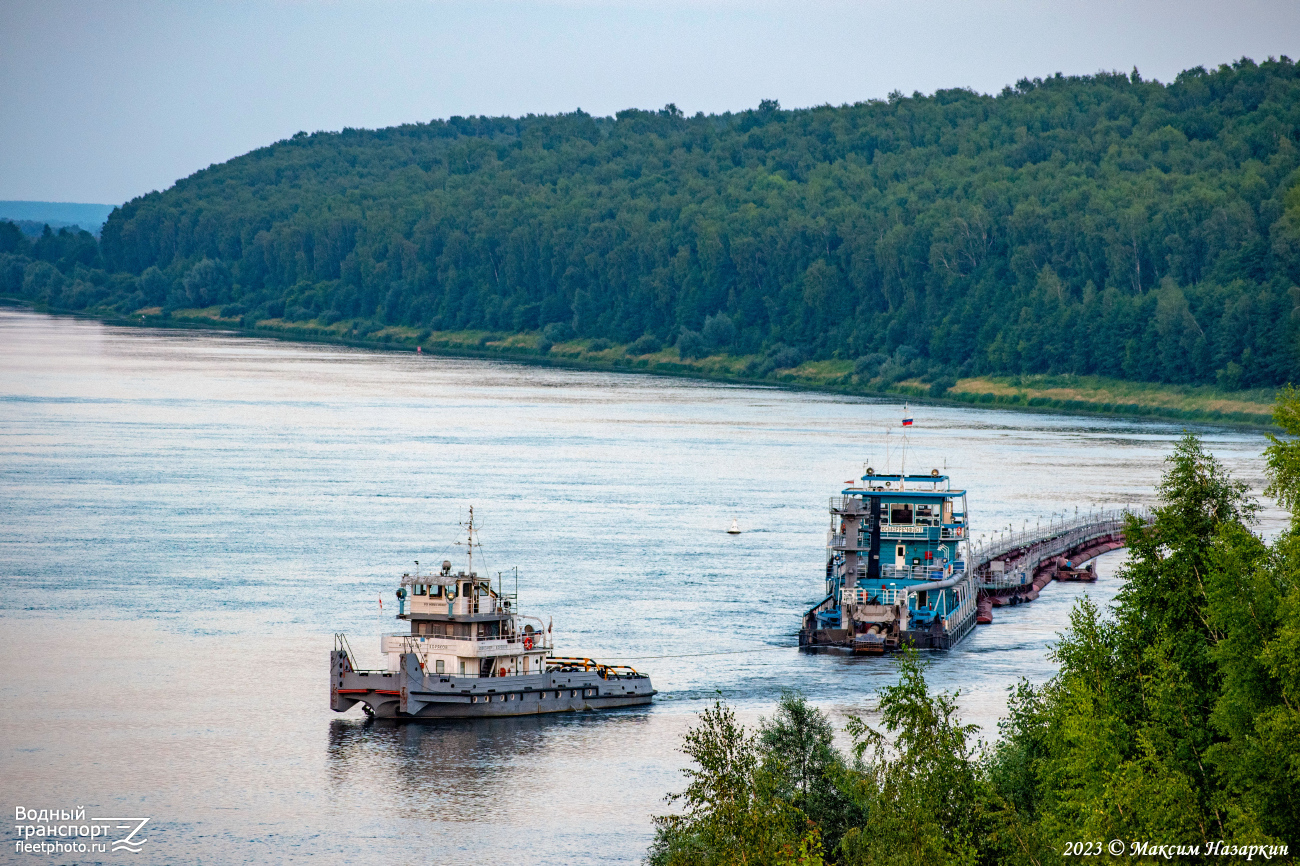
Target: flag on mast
[{"x": 907, "y": 419}]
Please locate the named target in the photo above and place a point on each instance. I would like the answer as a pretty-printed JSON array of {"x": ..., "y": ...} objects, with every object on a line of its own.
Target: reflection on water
[
  {"x": 187, "y": 518},
  {"x": 457, "y": 769}
]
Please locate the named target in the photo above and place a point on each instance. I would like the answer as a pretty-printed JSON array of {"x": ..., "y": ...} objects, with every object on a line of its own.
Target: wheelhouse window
[
  {"x": 420, "y": 589},
  {"x": 900, "y": 514}
]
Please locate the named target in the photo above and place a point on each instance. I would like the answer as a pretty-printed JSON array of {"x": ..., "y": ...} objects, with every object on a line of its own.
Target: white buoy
[{"x": 735, "y": 527}]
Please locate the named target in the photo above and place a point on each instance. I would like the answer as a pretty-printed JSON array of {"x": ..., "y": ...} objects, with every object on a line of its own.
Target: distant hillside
[
  {"x": 35, "y": 228},
  {"x": 1100, "y": 225},
  {"x": 57, "y": 214}
]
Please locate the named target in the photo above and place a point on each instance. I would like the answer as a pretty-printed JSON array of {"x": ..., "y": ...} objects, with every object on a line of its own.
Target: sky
[{"x": 102, "y": 102}]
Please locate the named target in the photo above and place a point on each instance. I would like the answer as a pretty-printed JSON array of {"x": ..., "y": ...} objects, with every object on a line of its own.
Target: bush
[
  {"x": 1229, "y": 378},
  {"x": 42, "y": 282},
  {"x": 327, "y": 318},
  {"x": 646, "y": 344},
  {"x": 155, "y": 285},
  {"x": 233, "y": 311},
  {"x": 941, "y": 386},
  {"x": 891, "y": 372},
  {"x": 784, "y": 357},
  {"x": 557, "y": 332},
  {"x": 690, "y": 345},
  {"x": 132, "y": 302},
  {"x": 868, "y": 366},
  {"x": 544, "y": 346},
  {"x": 598, "y": 345},
  {"x": 206, "y": 284},
  {"x": 719, "y": 331}
]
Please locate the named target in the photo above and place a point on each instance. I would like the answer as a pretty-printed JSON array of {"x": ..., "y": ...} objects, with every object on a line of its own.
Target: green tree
[
  {"x": 1253, "y": 613},
  {"x": 1172, "y": 719},
  {"x": 923, "y": 789},
  {"x": 732, "y": 811}
]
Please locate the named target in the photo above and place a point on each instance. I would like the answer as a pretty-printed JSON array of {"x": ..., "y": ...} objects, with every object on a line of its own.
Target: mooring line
[{"x": 693, "y": 655}]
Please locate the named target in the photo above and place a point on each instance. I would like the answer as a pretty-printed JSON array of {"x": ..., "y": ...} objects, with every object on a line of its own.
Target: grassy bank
[{"x": 1058, "y": 393}]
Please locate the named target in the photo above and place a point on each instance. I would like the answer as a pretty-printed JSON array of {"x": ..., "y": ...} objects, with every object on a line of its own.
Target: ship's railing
[
  {"x": 923, "y": 573},
  {"x": 937, "y": 571},
  {"x": 471, "y": 675},
  {"x": 965, "y": 608},
  {"x": 459, "y": 607},
  {"x": 847, "y": 504},
  {"x": 539, "y": 640},
  {"x": 895, "y": 595},
  {"x": 341, "y": 645},
  {"x": 1004, "y": 579},
  {"x": 866, "y": 595},
  {"x": 1063, "y": 534},
  {"x": 889, "y": 531}
]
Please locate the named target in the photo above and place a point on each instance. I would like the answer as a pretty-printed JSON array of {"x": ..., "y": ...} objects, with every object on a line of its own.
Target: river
[{"x": 187, "y": 518}]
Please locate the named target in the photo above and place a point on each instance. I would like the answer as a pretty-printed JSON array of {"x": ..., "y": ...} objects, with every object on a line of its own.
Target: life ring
[{"x": 528, "y": 642}]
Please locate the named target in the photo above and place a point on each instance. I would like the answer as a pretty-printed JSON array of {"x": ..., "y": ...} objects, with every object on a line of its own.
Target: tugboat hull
[{"x": 411, "y": 694}]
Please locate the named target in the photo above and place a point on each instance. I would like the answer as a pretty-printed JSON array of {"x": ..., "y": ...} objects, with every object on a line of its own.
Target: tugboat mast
[{"x": 469, "y": 542}]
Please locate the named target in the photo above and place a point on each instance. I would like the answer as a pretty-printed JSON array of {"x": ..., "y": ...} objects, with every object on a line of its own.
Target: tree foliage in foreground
[
  {"x": 1094, "y": 225},
  {"x": 1174, "y": 719}
]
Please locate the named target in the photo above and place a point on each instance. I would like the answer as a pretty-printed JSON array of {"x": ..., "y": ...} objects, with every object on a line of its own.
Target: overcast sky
[{"x": 104, "y": 101}]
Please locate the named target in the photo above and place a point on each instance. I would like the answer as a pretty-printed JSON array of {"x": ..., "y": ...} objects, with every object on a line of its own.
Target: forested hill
[{"x": 1101, "y": 224}]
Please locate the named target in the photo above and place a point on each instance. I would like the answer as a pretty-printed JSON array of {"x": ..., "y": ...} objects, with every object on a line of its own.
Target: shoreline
[{"x": 1041, "y": 393}]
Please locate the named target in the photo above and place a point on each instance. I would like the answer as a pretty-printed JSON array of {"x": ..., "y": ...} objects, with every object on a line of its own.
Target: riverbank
[{"x": 1035, "y": 393}]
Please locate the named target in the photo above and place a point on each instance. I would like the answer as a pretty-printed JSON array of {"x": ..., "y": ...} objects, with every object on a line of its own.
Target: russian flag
[{"x": 907, "y": 422}]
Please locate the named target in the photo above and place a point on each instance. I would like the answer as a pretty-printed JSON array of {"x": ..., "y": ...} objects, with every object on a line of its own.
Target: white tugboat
[{"x": 469, "y": 654}]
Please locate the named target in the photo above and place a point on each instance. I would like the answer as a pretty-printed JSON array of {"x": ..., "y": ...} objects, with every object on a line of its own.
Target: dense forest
[
  {"x": 1101, "y": 225},
  {"x": 1168, "y": 733}
]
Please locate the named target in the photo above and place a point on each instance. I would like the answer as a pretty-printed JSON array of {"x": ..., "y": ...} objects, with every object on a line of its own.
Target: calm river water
[{"x": 186, "y": 519}]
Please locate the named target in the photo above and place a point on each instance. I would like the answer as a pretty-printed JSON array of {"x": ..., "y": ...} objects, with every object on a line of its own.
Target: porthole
[
  {"x": 512, "y": 697},
  {"x": 473, "y": 700},
  {"x": 573, "y": 693}
]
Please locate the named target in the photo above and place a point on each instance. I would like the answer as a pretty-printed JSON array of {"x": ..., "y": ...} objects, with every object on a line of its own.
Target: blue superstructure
[{"x": 895, "y": 567}]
